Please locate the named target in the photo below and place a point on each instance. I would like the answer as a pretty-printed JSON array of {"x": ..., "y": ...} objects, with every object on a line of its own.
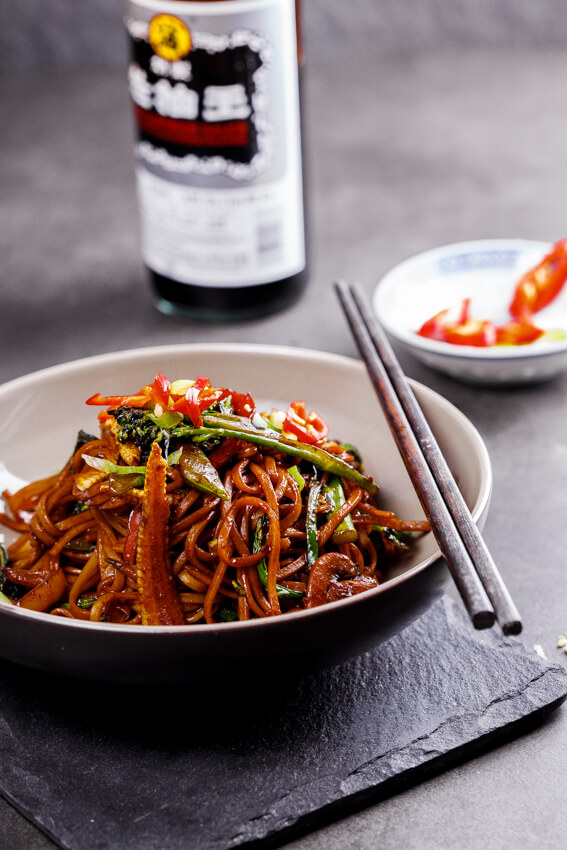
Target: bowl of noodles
[{"x": 194, "y": 512}]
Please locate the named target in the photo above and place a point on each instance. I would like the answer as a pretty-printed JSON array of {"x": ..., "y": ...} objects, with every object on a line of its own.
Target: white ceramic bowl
[
  {"x": 41, "y": 414},
  {"x": 486, "y": 271}
]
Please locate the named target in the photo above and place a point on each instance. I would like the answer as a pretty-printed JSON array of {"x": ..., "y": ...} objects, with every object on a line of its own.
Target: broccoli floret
[
  {"x": 74, "y": 508},
  {"x": 227, "y": 614},
  {"x": 137, "y": 428},
  {"x": 82, "y": 438}
]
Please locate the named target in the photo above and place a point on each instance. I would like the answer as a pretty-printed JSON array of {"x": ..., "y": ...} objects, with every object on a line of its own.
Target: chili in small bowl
[{"x": 488, "y": 312}]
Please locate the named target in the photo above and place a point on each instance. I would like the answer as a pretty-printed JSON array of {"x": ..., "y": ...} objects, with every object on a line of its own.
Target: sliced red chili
[
  {"x": 198, "y": 398},
  {"x": 155, "y": 393},
  {"x": 189, "y": 406},
  {"x": 139, "y": 400},
  {"x": 434, "y": 328},
  {"x": 541, "y": 284},
  {"x": 308, "y": 427},
  {"x": 517, "y": 333},
  {"x": 159, "y": 390},
  {"x": 476, "y": 332},
  {"x": 202, "y": 382},
  {"x": 243, "y": 404},
  {"x": 210, "y": 395}
]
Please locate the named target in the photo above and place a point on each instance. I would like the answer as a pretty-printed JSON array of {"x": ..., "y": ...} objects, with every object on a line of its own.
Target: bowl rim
[
  {"x": 500, "y": 354},
  {"x": 285, "y": 352}
]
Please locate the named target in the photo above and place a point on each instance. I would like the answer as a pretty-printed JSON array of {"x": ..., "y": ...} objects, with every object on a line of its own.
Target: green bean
[
  {"x": 199, "y": 472},
  {"x": 312, "y": 552},
  {"x": 345, "y": 532},
  {"x": 236, "y": 426}
]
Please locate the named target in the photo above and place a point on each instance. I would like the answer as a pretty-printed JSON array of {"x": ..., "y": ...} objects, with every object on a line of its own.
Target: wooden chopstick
[{"x": 473, "y": 570}]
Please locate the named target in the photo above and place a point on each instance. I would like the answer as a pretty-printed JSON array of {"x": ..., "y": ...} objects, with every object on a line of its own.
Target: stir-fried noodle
[{"x": 177, "y": 515}]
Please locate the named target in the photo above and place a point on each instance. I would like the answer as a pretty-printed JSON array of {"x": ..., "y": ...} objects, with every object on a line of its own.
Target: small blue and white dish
[{"x": 487, "y": 271}]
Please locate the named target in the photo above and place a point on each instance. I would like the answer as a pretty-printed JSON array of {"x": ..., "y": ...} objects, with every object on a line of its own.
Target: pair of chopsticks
[{"x": 473, "y": 570}]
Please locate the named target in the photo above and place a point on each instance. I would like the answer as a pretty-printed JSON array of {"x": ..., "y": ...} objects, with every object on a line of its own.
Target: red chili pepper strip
[
  {"x": 202, "y": 382},
  {"x": 154, "y": 393},
  {"x": 476, "y": 332},
  {"x": 210, "y": 395},
  {"x": 140, "y": 400},
  {"x": 434, "y": 328},
  {"x": 159, "y": 390},
  {"x": 243, "y": 404},
  {"x": 160, "y": 604},
  {"x": 198, "y": 398},
  {"x": 310, "y": 428},
  {"x": 517, "y": 333},
  {"x": 539, "y": 286},
  {"x": 189, "y": 406}
]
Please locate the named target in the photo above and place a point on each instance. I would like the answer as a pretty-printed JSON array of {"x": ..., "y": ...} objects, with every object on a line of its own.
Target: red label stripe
[{"x": 198, "y": 134}]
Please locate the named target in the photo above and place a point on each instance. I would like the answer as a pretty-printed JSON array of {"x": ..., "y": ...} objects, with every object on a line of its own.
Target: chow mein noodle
[{"x": 190, "y": 506}]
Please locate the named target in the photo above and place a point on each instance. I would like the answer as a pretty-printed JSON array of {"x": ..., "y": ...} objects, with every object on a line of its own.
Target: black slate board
[{"x": 98, "y": 767}]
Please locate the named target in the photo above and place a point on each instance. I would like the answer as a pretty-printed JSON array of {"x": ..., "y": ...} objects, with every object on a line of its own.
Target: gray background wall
[{"x": 89, "y": 32}]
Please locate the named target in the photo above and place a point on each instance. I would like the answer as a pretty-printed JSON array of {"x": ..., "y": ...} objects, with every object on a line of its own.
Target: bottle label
[{"x": 215, "y": 94}]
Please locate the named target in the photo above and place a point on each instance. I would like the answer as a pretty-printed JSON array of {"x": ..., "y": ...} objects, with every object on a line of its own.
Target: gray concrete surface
[
  {"x": 403, "y": 155},
  {"x": 53, "y": 33}
]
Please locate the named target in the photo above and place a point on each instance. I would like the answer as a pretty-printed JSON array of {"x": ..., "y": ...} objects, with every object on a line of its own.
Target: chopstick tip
[{"x": 483, "y": 619}]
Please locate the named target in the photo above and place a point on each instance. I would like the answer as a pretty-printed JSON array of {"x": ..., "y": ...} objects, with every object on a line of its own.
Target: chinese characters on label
[
  {"x": 203, "y": 113},
  {"x": 219, "y": 103}
]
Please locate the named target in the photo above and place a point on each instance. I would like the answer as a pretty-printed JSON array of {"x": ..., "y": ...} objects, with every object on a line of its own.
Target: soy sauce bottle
[{"x": 215, "y": 92}]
